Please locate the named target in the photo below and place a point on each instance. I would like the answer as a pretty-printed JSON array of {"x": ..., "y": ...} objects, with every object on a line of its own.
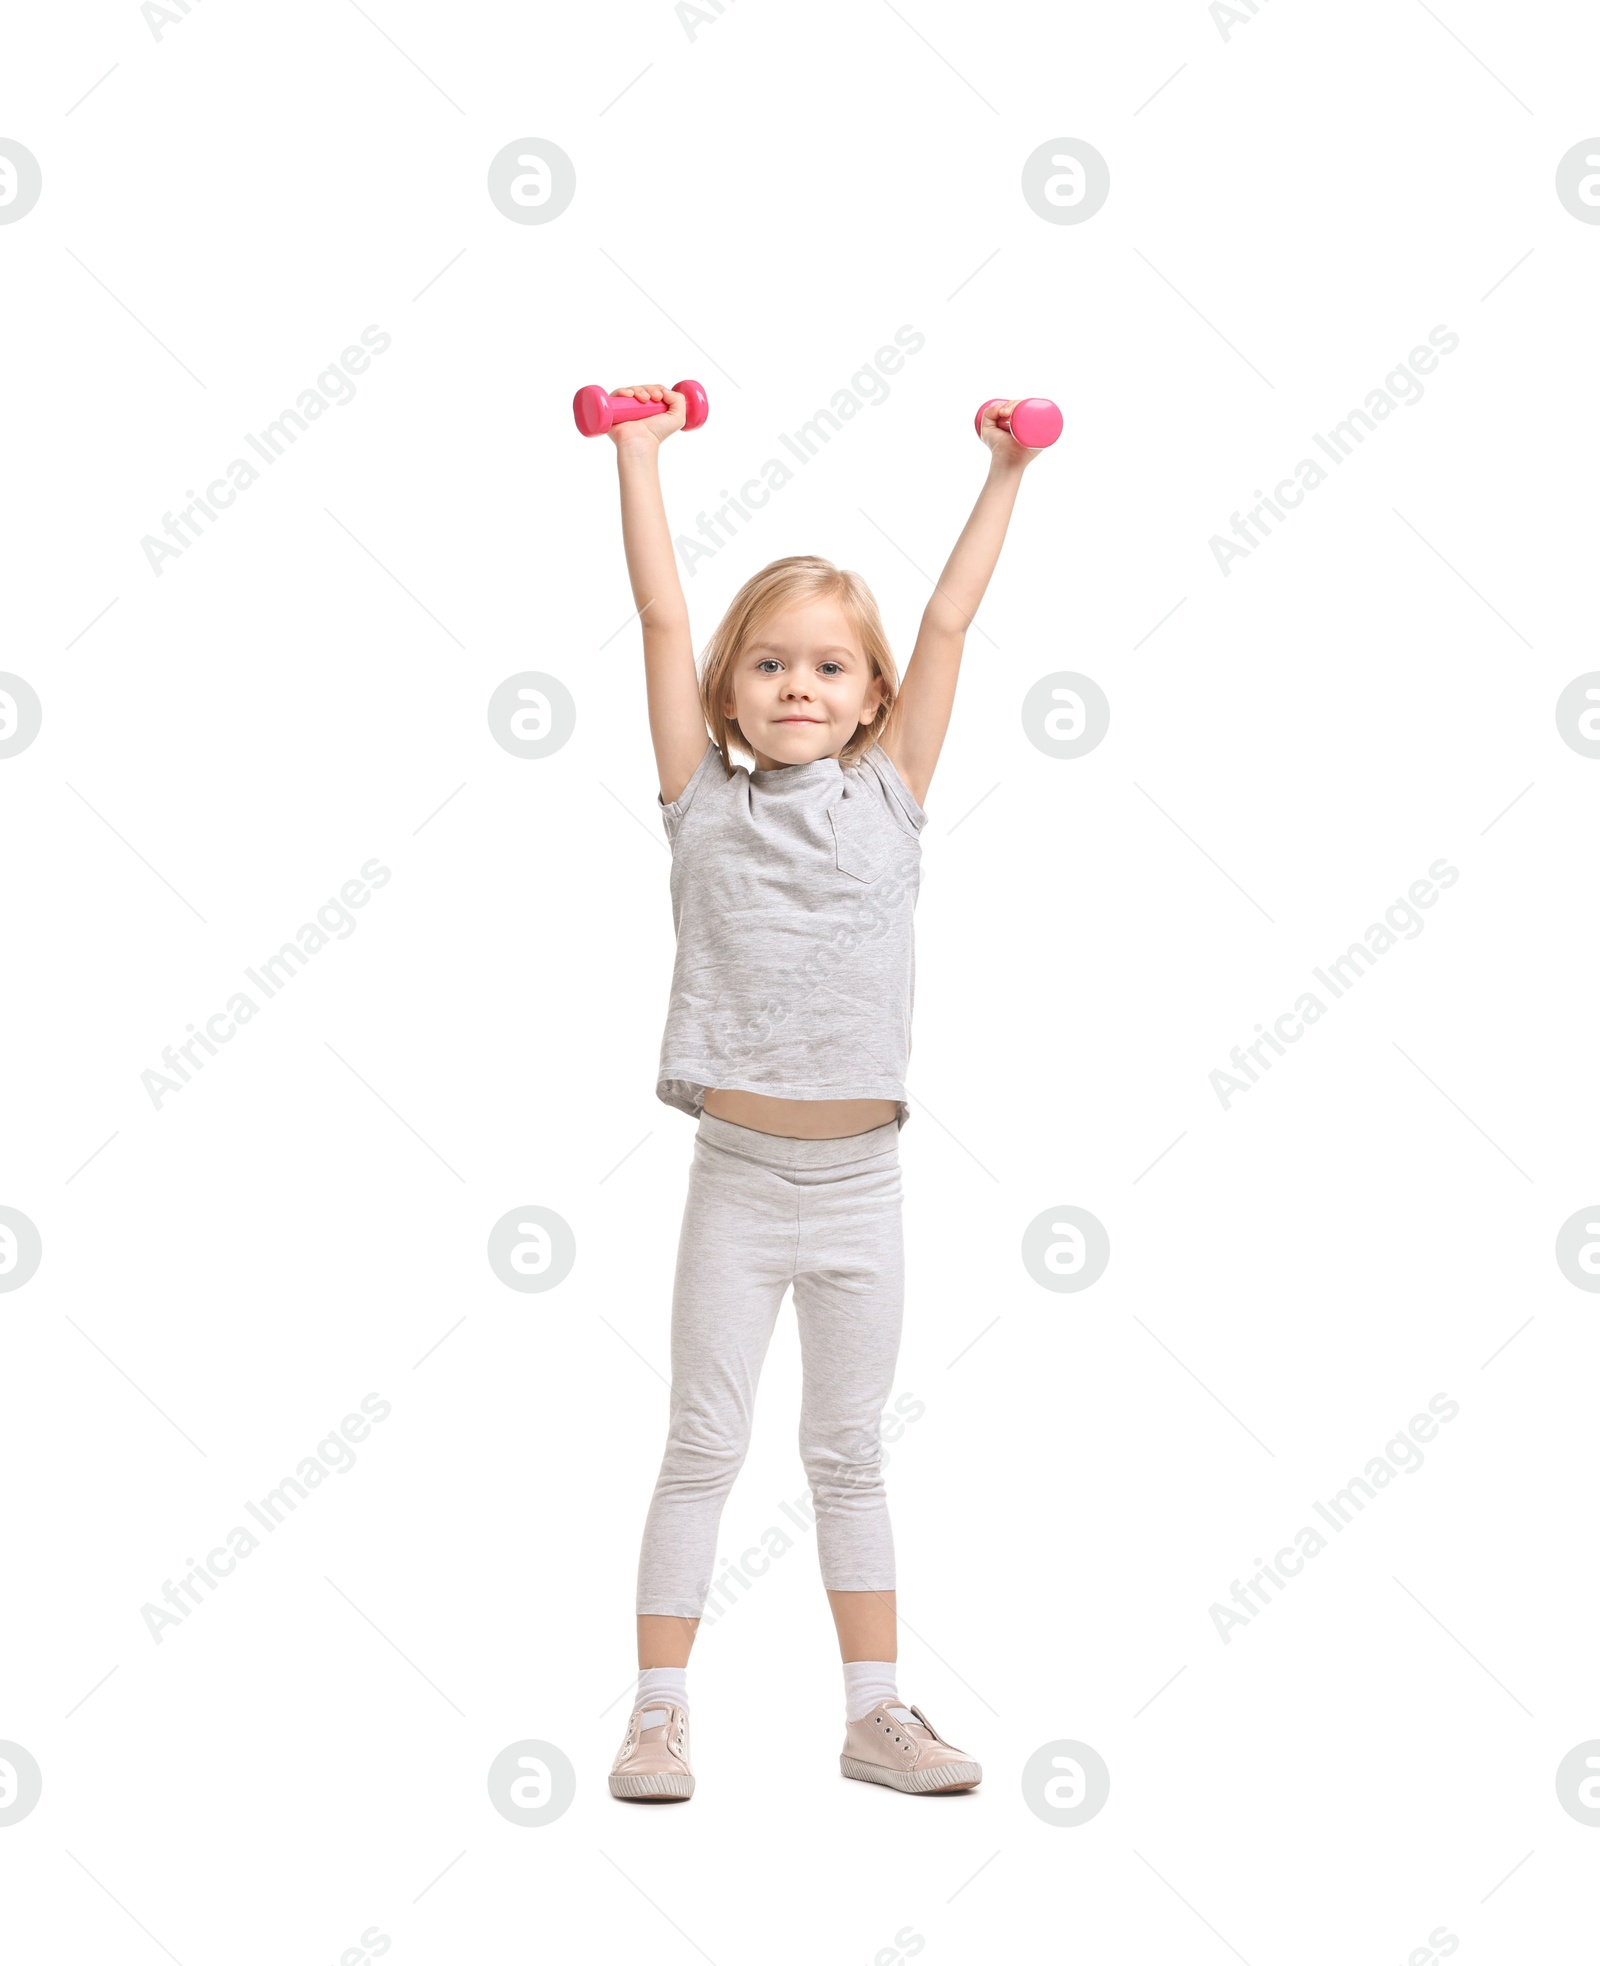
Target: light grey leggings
[{"x": 764, "y": 1212}]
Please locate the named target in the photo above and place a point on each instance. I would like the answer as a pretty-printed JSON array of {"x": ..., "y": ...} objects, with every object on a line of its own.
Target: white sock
[
  {"x": 663, "y": 1685},
  {"x": 866, "y": 1682}
]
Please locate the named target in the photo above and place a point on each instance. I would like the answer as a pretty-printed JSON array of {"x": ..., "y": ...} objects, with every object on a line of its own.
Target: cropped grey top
[{"x": 792, "y": 897}]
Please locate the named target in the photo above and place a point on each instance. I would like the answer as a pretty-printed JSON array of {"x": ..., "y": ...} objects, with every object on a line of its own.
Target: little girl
[{"x": 788, "y": 1032}]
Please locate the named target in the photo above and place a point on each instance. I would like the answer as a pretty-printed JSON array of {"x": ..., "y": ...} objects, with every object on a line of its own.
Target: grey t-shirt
[{"x": 792, "y": 896}]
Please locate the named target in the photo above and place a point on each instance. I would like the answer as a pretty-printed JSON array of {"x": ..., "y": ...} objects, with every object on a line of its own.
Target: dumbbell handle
[
  {"x": 595, "y": 412},
  {"x": 1034, "y": 422},
  {"x": 628, "y": 409}
]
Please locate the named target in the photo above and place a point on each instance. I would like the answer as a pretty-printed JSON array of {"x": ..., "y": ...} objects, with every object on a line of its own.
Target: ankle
[
  {"x": 663, "y": 1683},
  {"x": 867, "y": 1682}
]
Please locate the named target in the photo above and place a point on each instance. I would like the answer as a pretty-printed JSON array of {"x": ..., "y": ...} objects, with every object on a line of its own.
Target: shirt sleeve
[
  {"x": 672, "y": 815},
  {"x": 895, "y": 786}
]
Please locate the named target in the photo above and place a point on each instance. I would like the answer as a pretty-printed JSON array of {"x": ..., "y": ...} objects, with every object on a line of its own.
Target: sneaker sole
[
  {"x": 915, "y": 1781},
  {"x": 651, "y": 1788}
]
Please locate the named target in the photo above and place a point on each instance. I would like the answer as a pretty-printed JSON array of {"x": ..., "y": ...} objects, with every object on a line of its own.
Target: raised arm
[
  {"x": 921, "y": 716},
  {"x": 672, "y": 692}
]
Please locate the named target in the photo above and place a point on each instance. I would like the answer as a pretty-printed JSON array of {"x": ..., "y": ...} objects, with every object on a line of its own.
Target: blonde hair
[{"x": 802, "y": 577}]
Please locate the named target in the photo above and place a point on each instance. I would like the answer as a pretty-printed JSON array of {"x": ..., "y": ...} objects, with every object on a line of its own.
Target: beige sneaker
[
  {"x": 652, "y": 1765},
  {"x": 897, "y": 1745}
]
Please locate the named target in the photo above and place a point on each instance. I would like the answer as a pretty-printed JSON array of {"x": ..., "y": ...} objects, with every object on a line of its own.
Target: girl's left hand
[{"x": 1004, "y": 447}]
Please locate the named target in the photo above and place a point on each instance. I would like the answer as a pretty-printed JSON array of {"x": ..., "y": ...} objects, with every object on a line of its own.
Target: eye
[
  {"x": 762, "y": 668},
  {"x": 832, "y": 665}
]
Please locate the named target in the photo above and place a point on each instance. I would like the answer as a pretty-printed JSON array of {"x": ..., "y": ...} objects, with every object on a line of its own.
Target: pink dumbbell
[
  {"x": 594, "y": 411},
  {"x": 1035, "y": 422}
]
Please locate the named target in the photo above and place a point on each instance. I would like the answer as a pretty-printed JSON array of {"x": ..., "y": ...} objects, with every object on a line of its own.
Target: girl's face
[{"x": 802, "y": 687}]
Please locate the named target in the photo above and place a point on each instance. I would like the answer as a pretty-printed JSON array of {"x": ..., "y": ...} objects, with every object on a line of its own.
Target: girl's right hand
[{"x": 649, "y": 429}]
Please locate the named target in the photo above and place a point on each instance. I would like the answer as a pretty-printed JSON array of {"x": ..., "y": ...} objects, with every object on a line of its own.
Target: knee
[
  {"x": 842, "y": 1463},
  {"x": 704, "y": 1453}
]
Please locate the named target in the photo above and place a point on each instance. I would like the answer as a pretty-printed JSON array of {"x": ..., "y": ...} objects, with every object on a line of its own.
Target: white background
[{"x": 1291, "y": 1279}]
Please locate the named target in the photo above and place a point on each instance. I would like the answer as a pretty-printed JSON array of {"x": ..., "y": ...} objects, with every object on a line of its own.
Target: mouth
[{"x": 799, "y": 720}]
